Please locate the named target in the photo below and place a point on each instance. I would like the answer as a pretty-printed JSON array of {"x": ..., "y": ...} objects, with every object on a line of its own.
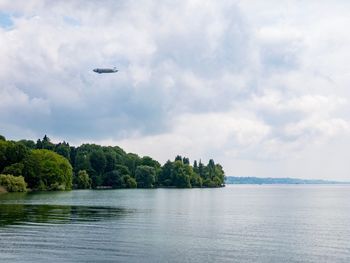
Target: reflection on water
[{"x": 14, "y": 214}]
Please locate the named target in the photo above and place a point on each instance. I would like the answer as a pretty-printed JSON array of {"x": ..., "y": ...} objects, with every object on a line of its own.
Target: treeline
[{"x": 48, "y": 166}]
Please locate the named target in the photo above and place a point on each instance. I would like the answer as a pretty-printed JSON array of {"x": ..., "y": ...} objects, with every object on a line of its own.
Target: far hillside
[{"x": 258, "y": 180}]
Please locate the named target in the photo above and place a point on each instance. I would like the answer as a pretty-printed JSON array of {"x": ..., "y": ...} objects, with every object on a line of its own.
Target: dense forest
[{"x": 43, "y": 165}]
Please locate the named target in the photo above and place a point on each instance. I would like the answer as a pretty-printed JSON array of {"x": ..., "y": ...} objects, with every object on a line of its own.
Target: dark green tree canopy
[
  {"x": 98, "y": 161},
  {"x": 48, "y": 166},
  {"x": 145, "y": 176}
]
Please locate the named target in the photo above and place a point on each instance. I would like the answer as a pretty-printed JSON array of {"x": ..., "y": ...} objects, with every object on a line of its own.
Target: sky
[{"x": 262, "y": 87}]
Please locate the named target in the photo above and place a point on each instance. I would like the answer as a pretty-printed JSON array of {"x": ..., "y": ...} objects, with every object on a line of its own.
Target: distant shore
[{"x": 268, "y": 180}]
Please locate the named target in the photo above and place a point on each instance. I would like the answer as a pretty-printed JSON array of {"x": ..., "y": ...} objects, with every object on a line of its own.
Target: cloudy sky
[{"x": 260, "y": 86}]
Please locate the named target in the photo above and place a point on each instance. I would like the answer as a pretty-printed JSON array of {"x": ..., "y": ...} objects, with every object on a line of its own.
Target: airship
[{"x": 105, "y": 70}]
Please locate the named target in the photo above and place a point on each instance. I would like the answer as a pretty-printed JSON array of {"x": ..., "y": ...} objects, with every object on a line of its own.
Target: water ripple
[{"x": 32, "y": 215}]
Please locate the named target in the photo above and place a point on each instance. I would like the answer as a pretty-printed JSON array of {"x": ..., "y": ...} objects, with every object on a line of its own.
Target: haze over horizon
[{"x": 260, "y": 87}]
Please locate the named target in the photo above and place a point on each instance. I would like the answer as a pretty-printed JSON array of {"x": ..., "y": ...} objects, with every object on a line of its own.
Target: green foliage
[
  {"x": 2, "y": 138},
  {"x": 180, "y": 177},
  {"x": 45, "y": 144},
  {"x": 98, "y": 161},
  {"x": 46, "y": 170},
  {"x": 186, "y": 160},
  {"x": 145, "y": 176},
  {"x": 16, "y": 152},
  {"x": 196, "y": 181},
  {"x": 28, "y": 143},
  {"x": 82, "y": 161},
  {"x": 165, "y": 177},
  {"x": 123, "y": 170},
  {"x": 11, "y": 152},
  {"x": 148, "y": 161},
  {"x": 45, "y": 166},
  {"x": 113, "y": 179},
  {"x": 208, "y": 183},
  {"x": 13, "y": 183},
  {"x": 63, "y": 149},
  {"x": 3, "y": 157},
  {"x": 111, "y": 160},
  {"x": 14, "y": 169},
  {"x": 132, "y": 161},
  {"x": 119, "y": 178},
  {"x": 82, "y": 180},
  {"x": 178, "y": 158},
  {"x": 202, "y": 171},
  {"x": 129, "y": 182}
]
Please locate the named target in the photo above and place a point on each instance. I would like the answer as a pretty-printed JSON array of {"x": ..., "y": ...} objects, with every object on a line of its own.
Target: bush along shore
[{"x": 45, "y": 166}]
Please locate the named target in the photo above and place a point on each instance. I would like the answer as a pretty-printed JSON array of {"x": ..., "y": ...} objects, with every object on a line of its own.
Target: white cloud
[
  {"x": 318, "y": 127},
  {"x": 244, "y": 82},
  {"x": 15, "y": 101},
  {"x": 195, "y": 134}
]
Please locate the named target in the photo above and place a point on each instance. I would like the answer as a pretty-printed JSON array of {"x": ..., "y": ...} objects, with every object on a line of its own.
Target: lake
[{"x": 238, "y": 223}]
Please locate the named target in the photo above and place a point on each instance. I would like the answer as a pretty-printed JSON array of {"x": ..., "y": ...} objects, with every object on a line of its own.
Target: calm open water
[{"x": 279, "y": 223}]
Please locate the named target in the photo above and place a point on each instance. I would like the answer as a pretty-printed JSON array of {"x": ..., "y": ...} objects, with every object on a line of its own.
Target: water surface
[{"x": 241, "y": 223}]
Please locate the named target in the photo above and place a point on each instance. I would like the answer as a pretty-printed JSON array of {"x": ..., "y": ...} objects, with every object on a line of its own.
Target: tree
[
  {"x": 63, "y": 149},
  {"x": 129, "y": 182},
  {"x": 81, "y": 161},
  {"x": 28, "y": 143},
  {"x": 16, "y": 152},
  {"x": 195, "y": 167},
  {"x": 202, "y": 170},
  {"x": 111, "y": 160},
  {"x": 11, "y": 152},
  {"x": 2, "y": 138},
  {"x": 220, "y": 174},
  {"x": 72, "y": 154},
  {"x": 186, "y": 160},
  {"x": 165, "y": 177},
  {"x": 13, "y": 183},
  {"x": 119, "y": 178},
  {"x": 208, "y": 183},
  {"x": 98, "y": 161},
  {"x": 146, "y": 160},
  {"x": 39, "y": 144},
  {"x": 47, "y": 170},
  {"x": 180, "y": 178},
  {"x": 113, "y": 179},
  {"x": 47, "y": 144},
  {"x": 82, "y": 180},
  {"x": 3, "y": 157},
  {"x": 122, "y": 169},
  {"x": 178, "y": 158},
  {"x": 217, "y": 181},
  {"x": 195, "y": 180},
  {"x": 211, "y": 169},
  {"x": 120, "y": 154},
  {"x": 145, "y": 176},
  {"x": 14, "y": 169},
  {"x": 132, "y": 161}
]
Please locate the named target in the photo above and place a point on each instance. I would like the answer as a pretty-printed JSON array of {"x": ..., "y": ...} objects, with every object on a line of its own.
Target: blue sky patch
[
  {"x": 5, "y": 20},
  {"x": 71, "y": 21}
]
